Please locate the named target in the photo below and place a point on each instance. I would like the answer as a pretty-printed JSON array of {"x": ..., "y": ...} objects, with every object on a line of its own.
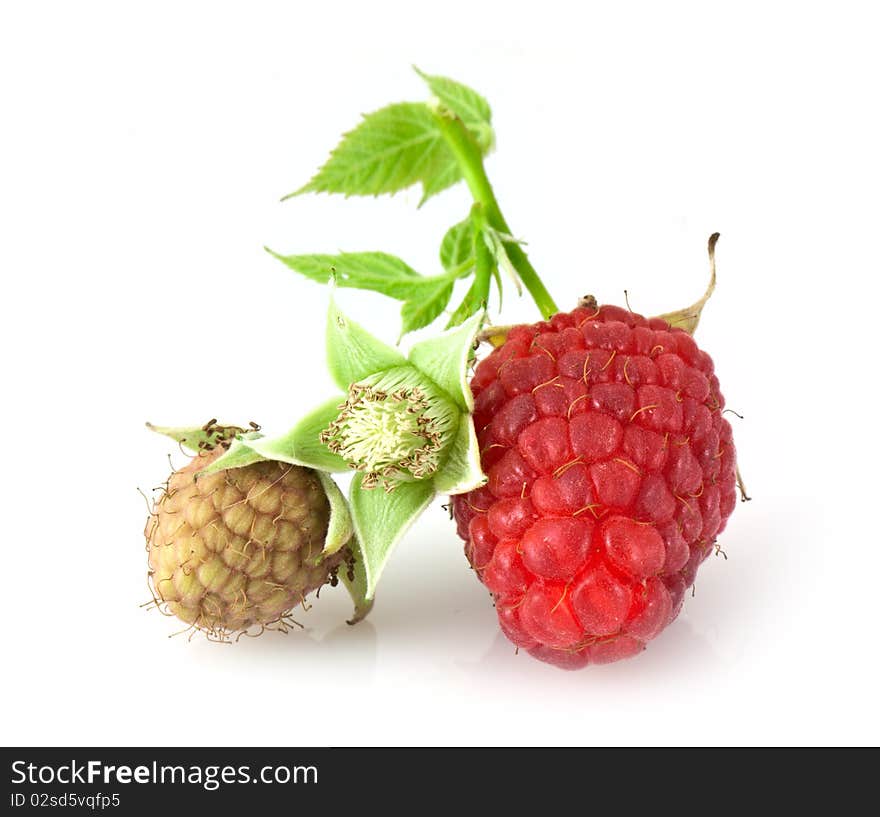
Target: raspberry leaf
[
  {"x": 457, "y": 247},
  {"x": 376, "y": 271},
  {"x": 429, "y": 302},
  {"x": 381, "y": 519},
  {"x": 474, "y": 300},
  {"x": 445, "y": 359},
  {"x": 469, "y": 155},
  {"x": 462, "y": 471},
  {"x": 471, "y": 107},
  {"x": 485, "y": 266},
  {"x": 442, "y": 180},
  {"x": 353, "y": 353},
  {"x": 301, "y": 445},
  {"x": 434, "y": 144},
  {"x": 390, "y": 150},
  {"x": 340, "y": 527}
]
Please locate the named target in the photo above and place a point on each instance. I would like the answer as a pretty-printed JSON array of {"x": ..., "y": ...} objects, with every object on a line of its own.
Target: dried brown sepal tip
[
  {"x": 206, "y": 438},
  {"x": 588, "y": 302},
  {"x": 689, "y": 317},
  {"x": 686, "y": 319}
]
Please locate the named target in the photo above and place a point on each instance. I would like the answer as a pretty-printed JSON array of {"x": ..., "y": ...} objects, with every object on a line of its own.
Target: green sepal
[
  {"x": 381, "y": 518},
  {"x": 302, "y": 446},
  {"x": 445, "y": 359},
  {"x": 239, "y": 455},
  {"x": 457, "y": 247},
  {"x": 462, "y": 471},
  {"x": 477, "y": 296},
  {"x": 495, "y": 241},
  {"x": 357, "y": 584},
  {"x": 340, "y": 527},
  {"x": 196, "y": 439},
  {"x": 353, "y": 353}
]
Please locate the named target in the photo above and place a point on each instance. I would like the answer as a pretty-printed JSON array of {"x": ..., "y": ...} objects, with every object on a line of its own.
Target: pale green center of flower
[
  {"x": 393, "y": 428},
  {"x": 381, "y": 432}
]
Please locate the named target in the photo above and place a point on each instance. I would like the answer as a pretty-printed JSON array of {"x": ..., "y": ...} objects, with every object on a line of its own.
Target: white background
[{"x": 143, "y": 151}]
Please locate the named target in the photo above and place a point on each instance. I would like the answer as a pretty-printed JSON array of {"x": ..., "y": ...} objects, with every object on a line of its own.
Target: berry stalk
[{"x": 470, "y": 160}]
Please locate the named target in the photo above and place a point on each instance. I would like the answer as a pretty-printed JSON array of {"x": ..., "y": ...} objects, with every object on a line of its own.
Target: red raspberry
[{"x": 611, "y": 472}]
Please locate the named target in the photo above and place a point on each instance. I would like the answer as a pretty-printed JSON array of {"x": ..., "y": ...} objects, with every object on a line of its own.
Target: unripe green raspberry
[{"x": 239, "y": 548}]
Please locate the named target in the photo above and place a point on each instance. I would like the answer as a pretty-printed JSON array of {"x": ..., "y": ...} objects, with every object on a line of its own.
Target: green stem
[
  {"x": 460, "y": 270},
  {"x": 483, "y": 261},
  {"x": 470, "y": 160}
]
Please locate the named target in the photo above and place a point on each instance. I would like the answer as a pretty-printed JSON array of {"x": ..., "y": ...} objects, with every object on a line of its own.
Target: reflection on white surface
[
  {"x": 349, "y": 650},
  {"x": 431, "y": 611}
]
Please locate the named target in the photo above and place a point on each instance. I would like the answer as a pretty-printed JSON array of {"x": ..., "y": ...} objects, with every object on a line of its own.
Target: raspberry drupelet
[{"x": 611, "y": 472}]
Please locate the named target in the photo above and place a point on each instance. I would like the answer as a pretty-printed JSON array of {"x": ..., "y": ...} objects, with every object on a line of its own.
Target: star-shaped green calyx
[{"x": 403, "y": 424}]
